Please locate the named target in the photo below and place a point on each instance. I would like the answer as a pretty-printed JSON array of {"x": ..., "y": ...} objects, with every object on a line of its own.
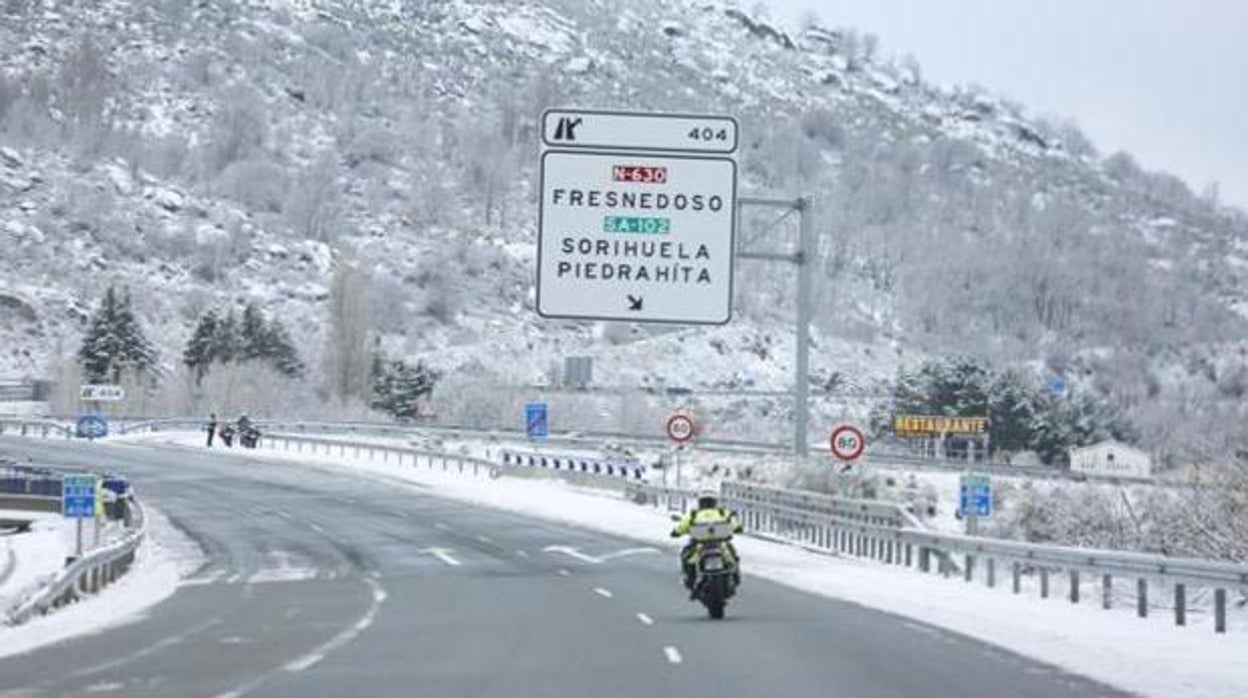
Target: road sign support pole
[
  {"x": 801, "y": 411},
  {"x": 78, "y": 546},
  {"x": 804, "y": 259}
]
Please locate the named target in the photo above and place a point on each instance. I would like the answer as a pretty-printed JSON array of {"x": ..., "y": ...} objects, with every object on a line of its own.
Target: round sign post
[
  {"x": 681, "y": 428},
  {"x": 848, "y": 443}
]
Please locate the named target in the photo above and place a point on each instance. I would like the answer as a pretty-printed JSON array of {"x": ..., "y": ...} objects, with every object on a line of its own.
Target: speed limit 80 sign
[
  {"x": 681, "y": 428},
  {"x": 848, "y": 442}
]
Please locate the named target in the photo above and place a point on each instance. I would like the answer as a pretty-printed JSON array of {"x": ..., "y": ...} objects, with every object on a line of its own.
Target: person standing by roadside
[{"x": 212, "y": 428}]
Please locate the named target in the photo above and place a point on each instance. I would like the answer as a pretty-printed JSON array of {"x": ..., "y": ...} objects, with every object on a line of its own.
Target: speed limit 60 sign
[{"x": 848, "y": 443}]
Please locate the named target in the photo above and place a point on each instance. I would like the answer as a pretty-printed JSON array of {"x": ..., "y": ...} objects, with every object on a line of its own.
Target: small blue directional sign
[
  {"x": 1056, "y": 385},
  {"x": 92, "y": 426},
  {"x": 535, "y": 423},
  {"x": 978, "y": 489},
  {"x": 78, "y": 497}
]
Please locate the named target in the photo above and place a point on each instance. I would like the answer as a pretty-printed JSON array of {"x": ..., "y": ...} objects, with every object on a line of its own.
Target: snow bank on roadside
[
  {"x": 37, "y": 555},
  {"x": 1150, "y": 657},
  {"x": 162, "y": 560}
]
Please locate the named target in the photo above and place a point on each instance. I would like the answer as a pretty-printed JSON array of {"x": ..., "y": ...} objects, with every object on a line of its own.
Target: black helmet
[{"x": 708, "y": 500}]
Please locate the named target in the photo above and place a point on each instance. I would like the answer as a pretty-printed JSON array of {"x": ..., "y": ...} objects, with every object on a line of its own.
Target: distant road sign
[
  {"x": 848, "y": 442},
  {"x": 102, "y": 392},
  {"x": 78, "y": 496},
  {"x": 936, "y": 425},
  {"x": 681, "y": 428},
  {"x": 536, "y": 424},
  {"x": 91, "y": 426},
  {"x": 637, "y": 217},
  {"x": 976, "y": 492}
]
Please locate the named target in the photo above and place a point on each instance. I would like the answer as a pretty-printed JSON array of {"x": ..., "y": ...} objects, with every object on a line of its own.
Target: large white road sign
[{"x": 641, "y": 232}]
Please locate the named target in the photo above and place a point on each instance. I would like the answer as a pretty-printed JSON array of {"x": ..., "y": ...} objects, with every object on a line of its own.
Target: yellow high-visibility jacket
[{"x": 706, "y": 516}]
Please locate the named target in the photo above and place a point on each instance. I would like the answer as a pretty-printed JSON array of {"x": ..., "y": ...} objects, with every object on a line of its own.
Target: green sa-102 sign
[{"x": 632, "y": 224}]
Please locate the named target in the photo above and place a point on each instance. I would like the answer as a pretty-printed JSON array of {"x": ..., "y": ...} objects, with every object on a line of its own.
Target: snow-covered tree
[
  {"x": 114, "y": 342},
  {"x": 199, "y": 353}
]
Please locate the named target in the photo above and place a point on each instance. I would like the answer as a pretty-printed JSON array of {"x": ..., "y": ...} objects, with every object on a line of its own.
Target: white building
[{"x": 1111, "y": 459}]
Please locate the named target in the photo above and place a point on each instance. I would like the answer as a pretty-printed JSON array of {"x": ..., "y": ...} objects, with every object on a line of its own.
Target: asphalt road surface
[{"x": 323, "y": 583}]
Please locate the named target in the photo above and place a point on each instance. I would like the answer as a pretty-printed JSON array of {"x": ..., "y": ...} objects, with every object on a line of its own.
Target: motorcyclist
[{"x": 707, "y": 512}]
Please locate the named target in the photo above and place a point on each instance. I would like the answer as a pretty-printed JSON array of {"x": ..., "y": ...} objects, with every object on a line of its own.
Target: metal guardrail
[
  {"x": 89, "y": 573},
  {"x": 431, "y": 459},
  {"x": 42, "y": 428},
  {"x": 886, "y": 533}
]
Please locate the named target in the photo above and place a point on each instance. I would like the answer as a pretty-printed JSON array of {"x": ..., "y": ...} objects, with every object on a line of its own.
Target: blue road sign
[
  {"x": 1057, "y": 386},
  {"x": 92, "y": 426},
  {"x": 536, "y": 424},
  {"x": 978, "y": 488},
  {"x": 78, "y": 496}
]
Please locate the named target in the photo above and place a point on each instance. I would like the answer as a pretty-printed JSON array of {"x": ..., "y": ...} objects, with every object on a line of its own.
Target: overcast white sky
[{"x": 1166, "y": 80}]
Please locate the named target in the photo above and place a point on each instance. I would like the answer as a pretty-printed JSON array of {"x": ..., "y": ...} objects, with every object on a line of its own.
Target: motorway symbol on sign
[
  {"x": 536, "y": 425},
  {"x": 848, "y": 442},
  {"x": 681, "y": 428},
  {"x": 91, "y": 426},
  {"x": 102, "y": 392},
  {"x": 637, "y": 217},
  {"x": 78, "y": 496},
  {"x": 976, "y": 492}
]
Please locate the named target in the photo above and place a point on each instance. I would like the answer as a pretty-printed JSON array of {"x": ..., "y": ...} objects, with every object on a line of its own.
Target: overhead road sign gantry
[{"x": 637, "y": 218}]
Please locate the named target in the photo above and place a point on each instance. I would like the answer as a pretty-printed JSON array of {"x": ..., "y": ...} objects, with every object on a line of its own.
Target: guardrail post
[
  {"x": 1044, "y": 582},
  {"x": 970, "y": 567},
  {"x": 1141, "y": 602},
  {"x": 1219, "y": 610},
  {"x": 1074, "y": 586},
  {"x": 1018, "y": 578},
  {"x": 1107, "y": 591},
  {"x": 1180, "y": 604},
  {"x": 992, "y": 572}
]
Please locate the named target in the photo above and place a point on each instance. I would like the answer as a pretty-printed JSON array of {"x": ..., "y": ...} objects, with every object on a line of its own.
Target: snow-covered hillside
[{"x": 207, "y": 155}]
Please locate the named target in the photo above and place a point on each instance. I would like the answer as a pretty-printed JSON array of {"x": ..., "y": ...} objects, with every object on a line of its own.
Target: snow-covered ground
[
  {"x": 1150, "y": 657},
  {"x": 36, "y": 555},
  {"x": 162, "y": 561}
]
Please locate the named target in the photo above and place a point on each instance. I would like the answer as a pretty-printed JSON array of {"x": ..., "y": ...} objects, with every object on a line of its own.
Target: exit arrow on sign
[{"x": 634, "y": 302}]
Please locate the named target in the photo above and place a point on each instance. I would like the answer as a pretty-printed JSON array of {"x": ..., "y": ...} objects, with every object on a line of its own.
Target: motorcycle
[
  {"x": 715, "y": 565},
  {"x": 249, "y": 437}
]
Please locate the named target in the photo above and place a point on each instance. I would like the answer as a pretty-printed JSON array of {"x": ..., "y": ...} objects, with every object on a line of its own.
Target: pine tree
[
  {"x": 101, "y": 345},
  {"x": 398, "y": 387},
  {"x": 254, "y": 336},
  {"x": 199, "y": 349},
  {"x": 280, "y": 350},
  {"x": 114, "y": 342},
  {"x": 227, "y": 343},
  {"x": 137, "y": 351}
]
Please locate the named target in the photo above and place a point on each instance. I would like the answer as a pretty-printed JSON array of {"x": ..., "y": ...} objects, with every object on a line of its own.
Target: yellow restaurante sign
[{"x": 909, "y": 425}]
